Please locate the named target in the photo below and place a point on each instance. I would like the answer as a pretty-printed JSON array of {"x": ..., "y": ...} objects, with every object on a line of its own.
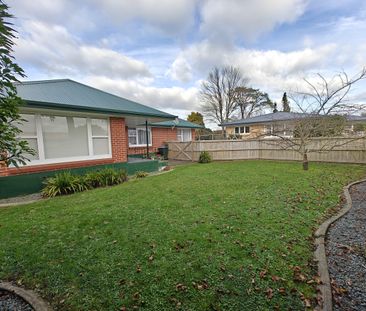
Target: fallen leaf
[
  {"x": 269, "y": 293},
  {"x": 282, "y": 290},
  {"x": 307, "y": 303},
  {"x": 180, "y": 287},
  {"x": 263, "y": 273}
]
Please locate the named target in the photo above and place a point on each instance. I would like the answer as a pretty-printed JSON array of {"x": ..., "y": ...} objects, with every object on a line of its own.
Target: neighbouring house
[
  {"x": 282, "y": 123},
  {"x": 77, "y": 127}
]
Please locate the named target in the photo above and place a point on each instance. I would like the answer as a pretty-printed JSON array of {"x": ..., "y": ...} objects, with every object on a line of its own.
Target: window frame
[
  {"x": 139, "y": 128},
  {"x": 180, "y": 134},
  {"x": 242, "y": 130},
  {"x": 40, "y": 141}
]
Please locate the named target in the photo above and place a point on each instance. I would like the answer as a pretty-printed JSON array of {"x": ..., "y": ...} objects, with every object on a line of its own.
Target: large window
[
  {"x": 137, "y": 137},
  {"x": 184, "y": 135},
  {"x": 58, "y": 138},
  {"x": 64, "y": 137}
]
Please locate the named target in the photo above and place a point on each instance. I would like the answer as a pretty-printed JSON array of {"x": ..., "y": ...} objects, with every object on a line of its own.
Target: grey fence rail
[{"x": 353, "y": 151}]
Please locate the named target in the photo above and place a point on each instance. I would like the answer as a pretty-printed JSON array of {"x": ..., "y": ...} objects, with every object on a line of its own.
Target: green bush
[
  {"x": 64, "y": 183},
  {"x": 205, "y": 157},
  {"x": 67, "y": 183},
  {"x": 105, "y": 177},
  {"x": 141, "y": 174}
]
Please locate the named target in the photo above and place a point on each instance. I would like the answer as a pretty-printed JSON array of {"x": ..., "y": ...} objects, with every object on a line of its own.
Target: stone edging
[
  {"x": 28, "y": 295},
  {"x": 20, "y": 203},
  {"x": 325, "y": 288}
]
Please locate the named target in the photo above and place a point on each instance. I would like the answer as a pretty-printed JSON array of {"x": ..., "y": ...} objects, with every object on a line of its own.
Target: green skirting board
[{"x": 17, "y": 185}]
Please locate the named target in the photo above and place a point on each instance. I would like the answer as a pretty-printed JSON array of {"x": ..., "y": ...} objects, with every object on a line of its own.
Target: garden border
[
  {"x": 29, "y": 296},
  {"x": 325, "y": 288}
]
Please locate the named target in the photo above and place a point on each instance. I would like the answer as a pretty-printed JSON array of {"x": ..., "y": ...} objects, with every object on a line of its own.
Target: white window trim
[
  {"x": 137, "y": 137},
  {"x": 239, "y": 130},
  {"x": 91, "y": 156}
]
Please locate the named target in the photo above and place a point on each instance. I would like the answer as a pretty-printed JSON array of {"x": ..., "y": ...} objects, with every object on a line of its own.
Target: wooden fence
[{"x": 270, "y": 149}]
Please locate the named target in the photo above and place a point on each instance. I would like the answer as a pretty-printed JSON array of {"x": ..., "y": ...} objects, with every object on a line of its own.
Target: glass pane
[
  {"x": 141, "y": 137},
  {"x": 187, "y": 135},
  {"x": 32, "y": 142},
  {"x": 28, "y": 127},
  {"x": 131, "y": 132},
  {"x": 236, "y": 130},
  {"x": 100, "y": 146},
  {"x": 99, "y": 127},
  {"x": 132, "y": 140},
  {"x": 247, "y": 129},
  {"x": 242, "y": 129},
  {"x": 180, "y": 135},
  {"x": 64, "y": 137}
]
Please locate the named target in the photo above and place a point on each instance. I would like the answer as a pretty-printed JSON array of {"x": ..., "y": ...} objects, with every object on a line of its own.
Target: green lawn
[{"x": 215, "y": 236}]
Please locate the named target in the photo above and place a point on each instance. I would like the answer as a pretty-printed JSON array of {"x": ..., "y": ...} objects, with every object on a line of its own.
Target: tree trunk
[{"x": 305, "y": 162}]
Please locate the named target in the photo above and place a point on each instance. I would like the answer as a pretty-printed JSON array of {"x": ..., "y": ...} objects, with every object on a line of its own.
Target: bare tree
[
  {"x": 328, "y": 96},
  {"x": 325, "y": 106},
  {"x": 251, "y": 101},
  {"x": 313, "y": 133},
  {"x": 218, "y": 93}
]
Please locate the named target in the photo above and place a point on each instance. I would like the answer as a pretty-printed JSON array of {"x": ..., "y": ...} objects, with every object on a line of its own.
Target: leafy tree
[
  {"x": 285, "y": 103},
  {"x": 251, "y": 101},
  {"x": 12, "y": 150},
  {"x": 196, "y": 117}
]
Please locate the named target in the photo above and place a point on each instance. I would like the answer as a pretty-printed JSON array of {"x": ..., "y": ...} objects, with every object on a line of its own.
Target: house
[
  {"x": 281, "y": 123},
  {"x": 77, "y": 127}
]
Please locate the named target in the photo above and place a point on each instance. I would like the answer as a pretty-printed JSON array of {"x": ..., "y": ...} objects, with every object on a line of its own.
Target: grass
[{"x": 219, "y": 236}]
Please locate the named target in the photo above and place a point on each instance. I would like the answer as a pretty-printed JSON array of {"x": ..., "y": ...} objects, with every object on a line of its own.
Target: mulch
[
  {"x": 346, "y": 254},
  {"x": 12, "y": 302}
]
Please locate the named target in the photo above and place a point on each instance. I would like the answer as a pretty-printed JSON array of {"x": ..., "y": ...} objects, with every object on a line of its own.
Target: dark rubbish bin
[{"x": 163, "y": 150}]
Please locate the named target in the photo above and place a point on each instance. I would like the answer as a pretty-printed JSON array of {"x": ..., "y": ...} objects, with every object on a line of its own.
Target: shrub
[
  {"x": 105, "y": 177},
  {"x": 205, "y": 157},
  {"x": 141, "y": 174},
  {"x": 64, "y": 183}
]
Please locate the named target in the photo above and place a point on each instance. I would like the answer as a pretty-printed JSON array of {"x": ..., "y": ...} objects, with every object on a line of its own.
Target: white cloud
[
  {"x": 180, "y": 70},
  {"x": 166, "y": 15},
  {"x": 161, "y": 98},
  {"x": 53, "y": 49},
  {"x": 227, "y": 19},
  {"x": 265, "y": 68}
]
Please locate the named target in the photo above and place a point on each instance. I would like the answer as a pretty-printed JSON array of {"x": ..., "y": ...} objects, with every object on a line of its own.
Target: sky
[{"x": 158, "y": 52}]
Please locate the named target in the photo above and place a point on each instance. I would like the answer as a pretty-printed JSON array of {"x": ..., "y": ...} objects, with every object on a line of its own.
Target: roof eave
[{"x": 48, "y": 105}]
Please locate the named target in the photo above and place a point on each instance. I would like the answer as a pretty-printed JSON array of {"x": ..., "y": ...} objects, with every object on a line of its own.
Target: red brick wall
[
  {"x": 159, "y": 137},
  {"x": 119, "y": 154},
  {"x": 118, "y": 139}
]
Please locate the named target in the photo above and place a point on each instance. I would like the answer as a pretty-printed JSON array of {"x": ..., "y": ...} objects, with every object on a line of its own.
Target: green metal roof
[
  {"x": 173, "y": 123},
  {"x": 72, "y": 95}
]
